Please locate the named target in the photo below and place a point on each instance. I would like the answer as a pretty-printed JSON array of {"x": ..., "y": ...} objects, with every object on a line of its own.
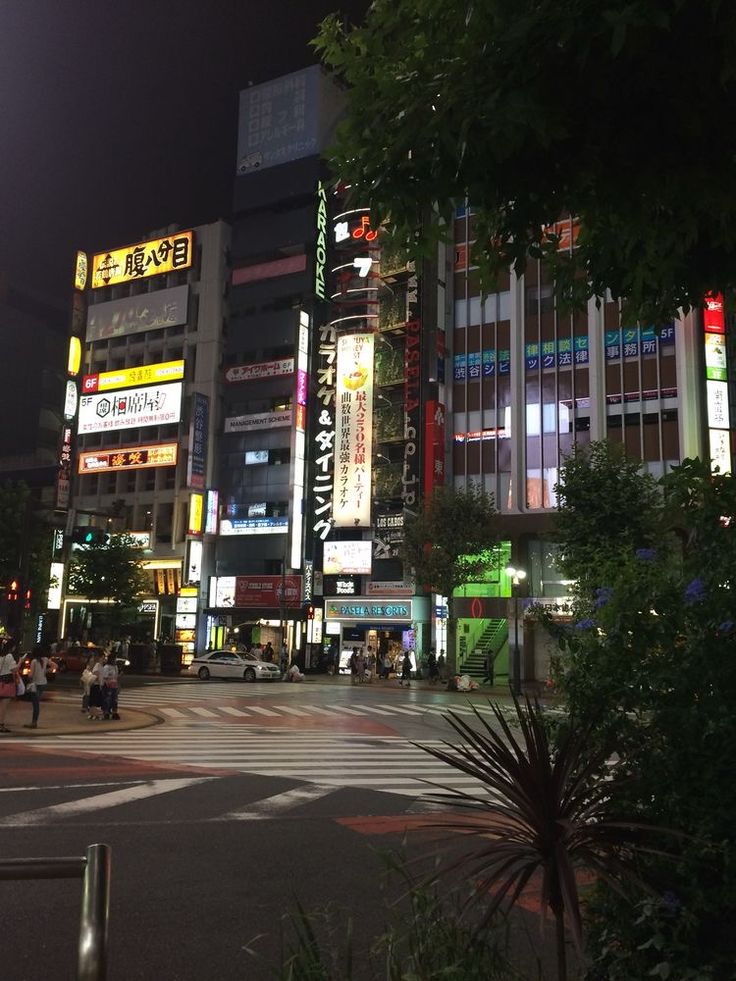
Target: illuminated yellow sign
[
  {"x": 74, "y": 361},
  {"x": 126, "y": 377},
  {"x": 196, "y": 513},
  {"x": 162, "y": 255},
  {"x": 132, "y": 458},
  {"x": 80, "y": 270}
]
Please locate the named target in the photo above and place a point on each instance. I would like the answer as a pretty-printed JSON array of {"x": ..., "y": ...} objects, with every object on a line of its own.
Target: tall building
[
  {"x": 529, "y": 383},
  {"x": 148, "y": 411},
  {"x": 332, "y": 372}
]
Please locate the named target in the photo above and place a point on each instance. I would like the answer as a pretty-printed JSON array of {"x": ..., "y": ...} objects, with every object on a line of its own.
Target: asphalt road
[{"x": 243, "y": 800}]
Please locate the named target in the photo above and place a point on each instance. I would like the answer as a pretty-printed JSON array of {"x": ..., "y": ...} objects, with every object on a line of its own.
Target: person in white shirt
[
  {"x": 110, "y": 687},
  {"x": 37, "y": 683},
  {"x": 95, "y": 689},
  {"x": 8, "y": 681}
]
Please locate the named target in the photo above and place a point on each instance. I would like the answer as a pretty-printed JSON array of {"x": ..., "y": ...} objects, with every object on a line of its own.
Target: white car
[{"x": 232, "y": 664}]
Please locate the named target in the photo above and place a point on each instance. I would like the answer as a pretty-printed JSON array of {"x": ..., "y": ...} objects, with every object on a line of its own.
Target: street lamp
[{"x": 517, "y": 576}]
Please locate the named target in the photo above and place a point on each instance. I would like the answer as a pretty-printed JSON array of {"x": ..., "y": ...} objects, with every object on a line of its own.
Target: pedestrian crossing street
[
  {"x": 172, "y": 702},
  {"x": 388, "y": 764}
]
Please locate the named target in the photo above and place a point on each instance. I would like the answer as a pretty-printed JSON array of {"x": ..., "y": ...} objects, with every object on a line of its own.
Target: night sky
[{"x": 117, "y": 118}]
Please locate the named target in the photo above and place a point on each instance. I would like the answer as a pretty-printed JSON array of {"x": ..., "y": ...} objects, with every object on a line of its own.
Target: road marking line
[
  {"x": 234, "y": 711},
  {"x": 68, "y": 786},
  {"x": 404, "y": 711},
  {"x": 292, "y": 711},
  {"x": 203, "y": 711},
  {"x": 99, "y": 802},
  {"x": 348, "y": 711},
  {"x": 370, "y": 708},
  {"x": 174, "y": 712},
  {"x": 321, "y": 711},
  {"x": 269, "y": 807},
  {"x": 262, "y": 711}
]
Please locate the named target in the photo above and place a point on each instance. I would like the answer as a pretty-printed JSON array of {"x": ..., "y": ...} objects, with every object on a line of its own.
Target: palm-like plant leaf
[{"x": 537, "y": 808}]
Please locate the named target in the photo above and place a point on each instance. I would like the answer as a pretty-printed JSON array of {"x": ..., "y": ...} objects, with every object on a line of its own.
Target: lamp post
[{"x": 517, "y": 576}]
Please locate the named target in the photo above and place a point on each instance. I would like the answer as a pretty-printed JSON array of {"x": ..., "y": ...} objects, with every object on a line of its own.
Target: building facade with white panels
[
  {"x": 529, "y": 382},
  {"x": 157, "y": 320}
]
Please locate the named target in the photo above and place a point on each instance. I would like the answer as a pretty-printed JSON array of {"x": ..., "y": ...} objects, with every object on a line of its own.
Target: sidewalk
[{"x": 65, "y": 718}]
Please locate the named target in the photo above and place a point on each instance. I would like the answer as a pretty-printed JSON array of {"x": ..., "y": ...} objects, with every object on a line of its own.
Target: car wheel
[
  {"x": 250, "y": 674},
  {"x": 204, "y": 674}
]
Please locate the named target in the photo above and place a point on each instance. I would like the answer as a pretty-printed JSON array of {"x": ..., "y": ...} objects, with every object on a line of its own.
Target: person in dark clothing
[
  {"x": 405, "y": 670},
  {"x": 433, "y": 670},
  {"x": 489, "y": 668}
]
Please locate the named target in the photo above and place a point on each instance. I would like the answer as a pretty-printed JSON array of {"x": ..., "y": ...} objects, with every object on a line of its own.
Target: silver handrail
[{"x": 94, "y": 869}]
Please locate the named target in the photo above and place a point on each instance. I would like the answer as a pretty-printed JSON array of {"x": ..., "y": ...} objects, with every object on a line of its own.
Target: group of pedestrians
[
  {"x": 100, "y": 683},
  {"x": 12, "y": 684}
]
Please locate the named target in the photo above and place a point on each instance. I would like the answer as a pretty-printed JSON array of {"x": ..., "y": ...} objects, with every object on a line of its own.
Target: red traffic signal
[{"x": 13, "y": 591}]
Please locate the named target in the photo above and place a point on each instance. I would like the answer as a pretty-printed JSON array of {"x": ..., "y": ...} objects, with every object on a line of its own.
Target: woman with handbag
[
  {"x": 37, "y": 683},
  {"x": 8, "y": 682}
]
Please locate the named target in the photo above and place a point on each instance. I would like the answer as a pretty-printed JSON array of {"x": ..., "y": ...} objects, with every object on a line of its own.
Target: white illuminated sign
[
  {"x": 193, "y": 568},
  {"x": 154, "y": 405},
  {"x": 348, "y": 558},
  {"x": 56, "y": 578},
  {"x": 351, "y": 496},
  {"x": 363, "y": 265},
  {"x": 717, "y": 398},
  {"x": 71, "y": 400}
]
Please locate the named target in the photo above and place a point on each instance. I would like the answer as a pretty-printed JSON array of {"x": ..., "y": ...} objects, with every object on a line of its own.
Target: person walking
[
  {"x": 8, "y": 681},
  {"x": 37, "y": 683},
  {"x": 489, "y": 662},
  {"x": 385, "y": 666},
  {"x": 354, "y": 666},
  {"x": 405, "y": 670},
  {"x": 110, "y": 687},
  {"x": 441, "y": 664},
  {"x": 432, "y": 668},
  {"x": 268, "y": 653}
]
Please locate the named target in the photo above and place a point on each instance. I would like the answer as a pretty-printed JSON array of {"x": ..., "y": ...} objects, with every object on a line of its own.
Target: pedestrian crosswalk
[
  {"x": 175, "y": 702},
  {"x": 388, "y": 764}
]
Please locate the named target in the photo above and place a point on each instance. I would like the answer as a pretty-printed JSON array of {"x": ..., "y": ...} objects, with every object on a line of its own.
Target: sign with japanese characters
[
  {"x": 254, "y": 526},
  {"x": 347, "y": 558},
  {"x": 64, "y": 473},
  {"x": 434, "y": 445},
  {"x": 81, "y": 267},
  {"x": 105, "y": 381},
  {"x": 137, "y": 314},
  {"x": 161, "y": 255},
  {"x": 198, "y": 438},
  {"x": 258, "y": 420},
  {"x": 271, "y": 592},
  {"x": 264, "y": 369},
  {"x": 131, "y": 458},
  {"x": 279, "y": 121},
  {"x": 351, "y": 504},
  {"x": 323, "y": 447},
  {"x": 155, "y": 405}
]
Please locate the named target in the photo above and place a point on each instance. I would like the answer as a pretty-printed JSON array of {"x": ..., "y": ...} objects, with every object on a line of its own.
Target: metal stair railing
[{"x": 93, "y": 868}]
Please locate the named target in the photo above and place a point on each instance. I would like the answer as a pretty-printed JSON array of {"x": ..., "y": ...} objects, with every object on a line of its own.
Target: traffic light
[
  {"x": 89, "y": 536},
  {"x": 13, "y": 591},
  {"x": 28, "y": 597}
]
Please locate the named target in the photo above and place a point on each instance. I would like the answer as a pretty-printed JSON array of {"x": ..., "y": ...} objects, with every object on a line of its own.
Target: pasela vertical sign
[{"x": 412, "y": 394}]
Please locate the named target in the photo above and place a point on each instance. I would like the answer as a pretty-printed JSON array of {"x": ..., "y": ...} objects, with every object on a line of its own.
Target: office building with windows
[{"x": 156, "y": 319}]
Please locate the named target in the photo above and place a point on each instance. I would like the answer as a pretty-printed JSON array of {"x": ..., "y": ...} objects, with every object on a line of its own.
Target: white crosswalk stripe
[{"x": 388, "y": 764}]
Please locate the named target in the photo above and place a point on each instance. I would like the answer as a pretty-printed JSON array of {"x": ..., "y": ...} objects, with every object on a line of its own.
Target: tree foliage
[
  {"x": 651, "y": 659},
  {"x": 111, "y": 571},
  {"x": 25, "y": 541},
  {"x": 542, "y": 108},
  {"x": 452, "y": 541}
]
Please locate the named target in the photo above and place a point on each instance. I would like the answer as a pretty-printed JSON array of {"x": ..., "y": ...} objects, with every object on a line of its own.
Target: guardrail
[{"x": 94, "y": 869}]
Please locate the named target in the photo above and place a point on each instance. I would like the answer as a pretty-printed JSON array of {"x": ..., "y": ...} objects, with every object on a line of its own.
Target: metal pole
[
  {"x": 517, "y": 659},
  {"x": 92, "y": 964}
]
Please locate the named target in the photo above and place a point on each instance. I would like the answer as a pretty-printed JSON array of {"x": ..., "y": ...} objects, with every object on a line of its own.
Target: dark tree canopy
[{"x": 617, "y": 113}]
